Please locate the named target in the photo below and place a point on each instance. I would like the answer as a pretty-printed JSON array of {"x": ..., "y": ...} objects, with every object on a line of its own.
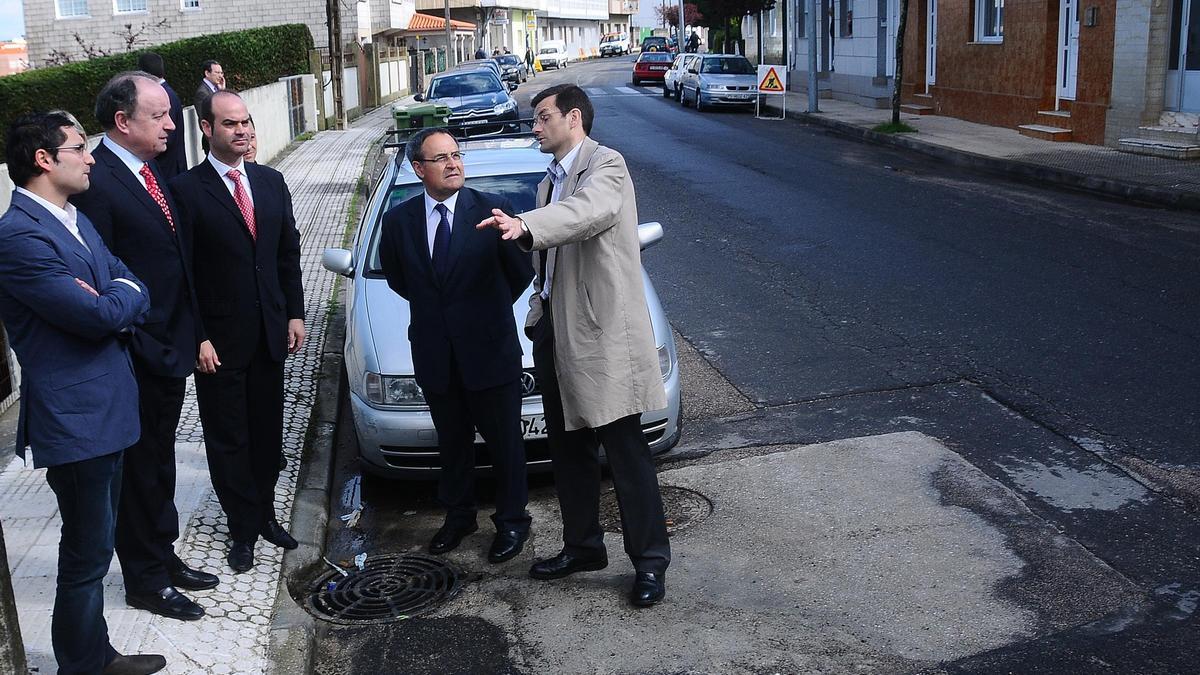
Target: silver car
[
  {"x": 719, "y": 80},
  {"x": 396, "y": 437},
  {"x": 671, "y": 79}
]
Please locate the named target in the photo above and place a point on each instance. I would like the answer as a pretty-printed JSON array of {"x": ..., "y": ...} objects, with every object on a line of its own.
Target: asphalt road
[{"x": 823, "y": 289}]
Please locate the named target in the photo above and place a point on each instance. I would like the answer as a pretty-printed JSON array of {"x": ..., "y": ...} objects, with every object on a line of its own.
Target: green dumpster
[{"x": 421, "y": 115}]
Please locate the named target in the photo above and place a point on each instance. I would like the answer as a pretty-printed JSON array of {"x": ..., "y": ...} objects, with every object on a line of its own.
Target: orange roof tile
[{"x": 426, "y": 22}]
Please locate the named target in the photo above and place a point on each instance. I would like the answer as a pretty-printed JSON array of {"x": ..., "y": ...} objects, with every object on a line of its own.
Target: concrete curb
[
  {"x": 1024, "y": 171},
  {"x": 293, "y": 630}
]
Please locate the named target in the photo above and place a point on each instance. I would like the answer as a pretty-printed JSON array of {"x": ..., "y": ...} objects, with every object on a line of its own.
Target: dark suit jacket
[
  {"x": 79, "y": 397},
  {"x": 202, "y": 92},
  {"x": 468, "y": 314},
  {"x": 173, "y": 160},
  {"x": 136, "y": 231},
  {"x": 244, "y": 285}
]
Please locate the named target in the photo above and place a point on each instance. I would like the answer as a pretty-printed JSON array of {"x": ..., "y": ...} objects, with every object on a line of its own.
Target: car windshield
[
  {"x": 549, "y": 50},
  {"x": 520, "y": 189},
  {"x": 730, "y": 66},
  {"x": 657, "y": 57},
  {"x": 467, "y": 84},
  {"x": 508, "y": 59}
]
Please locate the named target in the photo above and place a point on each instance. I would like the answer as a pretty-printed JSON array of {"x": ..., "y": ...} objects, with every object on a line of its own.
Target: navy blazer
[
  {"x": 173, "y": 161},
  {"x": 243, "y": 284},
  {"x": 79, "y": 398},
  {"x": 468, "y": 316},
  {"x": 136, "y": 231}
]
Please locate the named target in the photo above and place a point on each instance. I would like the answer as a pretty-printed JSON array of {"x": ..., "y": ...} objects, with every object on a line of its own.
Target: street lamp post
[{"x": 449, "y": 62}]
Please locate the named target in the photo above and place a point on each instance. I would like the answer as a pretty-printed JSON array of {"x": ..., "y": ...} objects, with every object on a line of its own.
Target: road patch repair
[{"x": 886, "y": 553}]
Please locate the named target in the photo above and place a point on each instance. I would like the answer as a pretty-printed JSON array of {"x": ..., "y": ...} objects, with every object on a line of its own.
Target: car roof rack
[{"x": 461, "y": 132}]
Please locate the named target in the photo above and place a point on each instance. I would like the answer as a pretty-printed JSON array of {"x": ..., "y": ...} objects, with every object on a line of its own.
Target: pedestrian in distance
[
  {"x": 246, "y": 253},
  {"x": 593, "y": 345},
  {"x": 212, "y": 81},
  {"x": 529, "y": 63},
  {"x": 173, "y": 160},
  {"x": 480, "y": 53},
  {"x": 135, "y": 214},
  {"x": 461, "y": 283},
  {"x": 68, "y": 305}
]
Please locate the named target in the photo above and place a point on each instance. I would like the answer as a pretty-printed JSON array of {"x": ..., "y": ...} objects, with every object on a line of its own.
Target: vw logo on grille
[{"x": 528, "y": 383}]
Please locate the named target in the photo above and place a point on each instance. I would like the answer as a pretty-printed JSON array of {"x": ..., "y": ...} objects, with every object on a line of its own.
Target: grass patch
[
  {"x": 306, "y": 136},
  {"x": 894, "y": 128}
]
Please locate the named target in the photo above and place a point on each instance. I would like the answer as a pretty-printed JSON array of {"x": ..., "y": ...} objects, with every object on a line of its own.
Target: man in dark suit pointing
[
  {"x": 248, "y": 282},
  {"x": 461, "y": 284},
  {"x": 135, "y": 214}
]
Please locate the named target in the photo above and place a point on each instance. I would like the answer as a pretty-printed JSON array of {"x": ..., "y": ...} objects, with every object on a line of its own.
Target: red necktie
[
  {"x": 243, "y": 202},
  {"x": 156, "y": 193}
]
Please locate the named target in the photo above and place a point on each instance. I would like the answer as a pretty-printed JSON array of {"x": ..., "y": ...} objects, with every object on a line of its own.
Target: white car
[
  {"x": 671, "y": 79},
  {"x": 614, "y": 44},
  {"x": 553, "y": 54}
]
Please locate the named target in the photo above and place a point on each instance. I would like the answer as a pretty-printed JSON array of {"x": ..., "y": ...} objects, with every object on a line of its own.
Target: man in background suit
[
  {"x": 461, "y": 284},
  {"x": 132, "y": 210},
  {"x": 173, "y": 160},
  {"x": 212, "y": 82},
  {"x": 248, "y": 282},
  {"x": 593, "y": 345},
  {"x": 65, "y": 301}
]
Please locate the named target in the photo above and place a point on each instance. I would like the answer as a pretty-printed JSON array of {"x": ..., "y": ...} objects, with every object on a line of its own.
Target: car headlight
[
  {"x": 394, "y": 390},
  {"x": 510, "y": 69},
  {"x": 664, "y": 362},
  {"x": 714, "y": 87},
  {"x": 502, "y": 108}
]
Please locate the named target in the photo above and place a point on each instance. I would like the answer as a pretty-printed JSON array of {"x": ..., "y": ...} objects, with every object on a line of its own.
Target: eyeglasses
[
  {"x": 543, "y": 117},
  {"x": 442, "y": 158},
  {"x": 78, "y": 147}
]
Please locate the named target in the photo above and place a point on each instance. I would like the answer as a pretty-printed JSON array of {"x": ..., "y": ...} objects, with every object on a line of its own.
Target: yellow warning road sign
[{"x": 771, "y": 81}]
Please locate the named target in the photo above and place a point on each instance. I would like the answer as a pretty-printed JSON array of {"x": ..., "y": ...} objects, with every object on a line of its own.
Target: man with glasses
[
  {"x": 68, "y": 304},
  {"x": 134, "y": 213},
  {"x": 461, "y": 284},
  {"x": 593, "y": 345}
]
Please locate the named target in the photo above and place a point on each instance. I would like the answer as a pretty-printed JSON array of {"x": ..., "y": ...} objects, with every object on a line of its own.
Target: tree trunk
[{"x": 900, "y": 28}]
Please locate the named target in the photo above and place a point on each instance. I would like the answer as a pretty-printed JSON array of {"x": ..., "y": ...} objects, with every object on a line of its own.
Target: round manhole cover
[
  {"x": 388, "y": 588},
  {"x": 681, "y": 506}
]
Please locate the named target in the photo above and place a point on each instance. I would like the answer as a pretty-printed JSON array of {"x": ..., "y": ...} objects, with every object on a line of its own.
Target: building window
[
  {"x": 846, "y": 18},
  {"x": 191, "y": 4},
  {"x": 127, "y": 6},
  {"x": 774, "y": 15},
  {"x": 802, "y": 19},
  {"x": 989, "y": 20},
  {"x": 69, "y": 8}
]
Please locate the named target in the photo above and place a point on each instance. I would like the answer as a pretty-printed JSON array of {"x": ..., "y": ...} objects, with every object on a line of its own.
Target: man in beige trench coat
[{"x": 593, "y": 346}]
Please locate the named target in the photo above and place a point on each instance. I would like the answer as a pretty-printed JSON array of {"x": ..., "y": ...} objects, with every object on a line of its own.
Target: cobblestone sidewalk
[{"x": 233, "y": 636}]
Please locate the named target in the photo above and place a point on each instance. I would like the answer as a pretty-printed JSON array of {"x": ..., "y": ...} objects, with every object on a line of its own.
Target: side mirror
[
  {"x": 649, "y": 234},
  {"x": 693, "y": 70},
  {"x": 339, "y": 261},
  {"x": 419, "y": 97},
  {"x": 512, "y": 86}
]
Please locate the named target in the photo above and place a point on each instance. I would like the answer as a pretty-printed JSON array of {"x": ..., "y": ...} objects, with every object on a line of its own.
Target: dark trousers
[
  {"x": 88, "y": 493},
  {"x": 576, "y": 460},
  {"x": 242, "y": 413},
  {"x": 147, "y": 520},
  {"x": 496, "y": 412}
]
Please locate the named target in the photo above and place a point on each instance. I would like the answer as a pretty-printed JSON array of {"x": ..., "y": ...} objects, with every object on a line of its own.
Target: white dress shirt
[
  {"x": 127, "y": 158},
  {"x": 223, "y": 169},
  {"x": 433, "y": 218},
  {"x": 560, "y": 182},
  {"x": 69, "y": 217}
]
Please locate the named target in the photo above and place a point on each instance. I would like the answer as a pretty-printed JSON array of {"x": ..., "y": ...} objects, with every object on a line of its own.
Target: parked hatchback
[
  {"x": 512, "y": 68},
  {"x": 719, "y": 80},
  {"x": 477, "y": 100},
  {"x": 651, "y": 66},
  {"x": 671, "y": 78},
  {"x": 396, "y": 436}
]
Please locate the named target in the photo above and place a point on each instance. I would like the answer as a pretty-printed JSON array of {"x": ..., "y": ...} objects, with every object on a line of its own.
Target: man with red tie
[
  {"x": 135, "y": 215},
  {"x": 246, "y": 257}
]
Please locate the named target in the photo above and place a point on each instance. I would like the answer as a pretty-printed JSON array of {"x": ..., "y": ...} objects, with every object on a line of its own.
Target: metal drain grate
[
  {"x": 388, "y": 588},
  {"x": 681, "y": 506}
]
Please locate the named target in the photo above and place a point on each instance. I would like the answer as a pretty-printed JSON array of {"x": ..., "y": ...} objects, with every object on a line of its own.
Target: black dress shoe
[
  {"x": 274, "y": 533},
  {"x": 565, "y": 564},
  {"x": 167, "y": 602},
  {"x": 648, "y": 589},
  {"x": 241, "y": 556},
  {"x": 449, "y": 537},
  {"x": 193, "y": 580},
  {"x": 506, "y": 545},
  {"x": 135, "y": 664}
]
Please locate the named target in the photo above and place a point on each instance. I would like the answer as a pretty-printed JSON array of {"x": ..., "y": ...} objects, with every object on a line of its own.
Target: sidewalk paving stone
[{"x": 322, "y": 174}]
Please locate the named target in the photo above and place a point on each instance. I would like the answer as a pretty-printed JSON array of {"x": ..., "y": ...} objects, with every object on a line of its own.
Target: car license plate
[
  {"x": 533, "y": 426},
  {"x": 468, "y": 122},
  {"x": 658, "y": 67}
]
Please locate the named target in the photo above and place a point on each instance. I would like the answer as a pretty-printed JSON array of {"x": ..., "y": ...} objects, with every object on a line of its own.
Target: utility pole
[
  {"x": 333, "y": 20},
  {"x": 811, "y": 29},
  {"x": 679, "y": 35},
  {"x": 451, "y": 58}
]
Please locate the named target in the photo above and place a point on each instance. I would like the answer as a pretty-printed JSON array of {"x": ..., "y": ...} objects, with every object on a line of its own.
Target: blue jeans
[{"x": 88, "y": 492}]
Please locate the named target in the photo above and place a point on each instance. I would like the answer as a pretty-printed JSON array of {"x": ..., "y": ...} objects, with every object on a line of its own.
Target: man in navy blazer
[
  {"x": 135, "y": 215},
  {"x": 248, "y": 282},
  {"x": 173, "y": 160},
  {"x": 461, "y": 284},
  {"x": 67, "y": 304}
]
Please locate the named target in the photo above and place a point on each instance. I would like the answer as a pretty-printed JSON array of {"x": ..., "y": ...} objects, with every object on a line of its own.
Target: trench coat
[{"x": 604, "y": 348}]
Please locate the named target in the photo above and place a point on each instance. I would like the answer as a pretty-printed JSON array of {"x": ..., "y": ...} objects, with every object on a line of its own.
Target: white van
[
  {"x": 614, "y": 44},
  {"x": 553, "y": 54}
]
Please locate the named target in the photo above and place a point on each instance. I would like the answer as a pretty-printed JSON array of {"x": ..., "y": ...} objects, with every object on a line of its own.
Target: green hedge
[{"x": 250, "y": 58}]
